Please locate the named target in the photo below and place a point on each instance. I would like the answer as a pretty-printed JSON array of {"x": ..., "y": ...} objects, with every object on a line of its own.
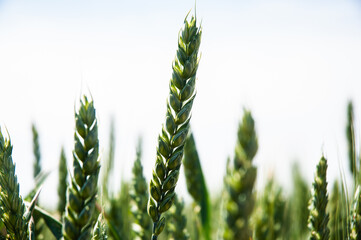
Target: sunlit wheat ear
[
  {"x": 63, "y": 182},
  {"x": 100, "y": 232},
  {"x": 11, "y": 203},
  {"x": 318, "y": 219},
  {"x": 175, "y": 129},
  {"x": 176, "y": 225},
  {"x": 139, "y": 195},
  {"x": 82, "y": 192},
  {"x": 196, "y": 185},
  {"x": 239, "y": 182}
]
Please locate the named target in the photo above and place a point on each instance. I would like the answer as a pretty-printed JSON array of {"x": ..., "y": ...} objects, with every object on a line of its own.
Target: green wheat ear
[
  {"x": 270, "y": 216},
  {"x": 176, "y": 226},
  {"x": 350, "y": 134},
  {"x": 81, "y": 197},
  {"x": 174, "y": 132},
  {"x": 355, "y": 223},
  {"x": 196, "y": 184},
  {"x": 100, "y": 231},
  {"x": 36, "y": 151},
  {"x": 11, "y": 203},
  {"x": 139, "y": 194},
  {"x": 318, "y": 219},
  {"x": 239, "y": 182},
  {"x": 338, "y": 214},
  {"x": 63, "y": 182}
]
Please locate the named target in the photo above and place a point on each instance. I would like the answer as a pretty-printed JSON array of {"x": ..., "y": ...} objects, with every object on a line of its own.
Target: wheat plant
[
  {"x": 100, "y": 232},
  {"x": 239, "y": 182},
  {"x": 318, "y": 219},
  {"x": 140, "y": 195},
  {"x": 12, "y": 206},
  {"x": 62, "y": 183},
  {"x": 82, "y": 192},
  {"x": 174, "y": 132},
  {"x": 196, "y": 185},
  {"x": 176, "y": 225}
]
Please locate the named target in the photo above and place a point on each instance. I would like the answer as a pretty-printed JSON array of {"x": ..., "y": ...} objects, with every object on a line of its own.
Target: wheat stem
[{"x": 171, "y": 140}]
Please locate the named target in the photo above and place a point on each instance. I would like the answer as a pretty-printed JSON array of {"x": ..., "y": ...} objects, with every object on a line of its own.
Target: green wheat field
[{"x": 88, "y": 209}]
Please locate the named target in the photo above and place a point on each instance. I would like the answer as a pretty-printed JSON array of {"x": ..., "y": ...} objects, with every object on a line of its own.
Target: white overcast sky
[{"x": 294, "y": 63}]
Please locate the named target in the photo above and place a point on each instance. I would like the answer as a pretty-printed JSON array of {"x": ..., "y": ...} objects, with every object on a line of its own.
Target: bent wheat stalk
[
  {"x": 12, "y": 205},
  {"x": 78, "y": 218},
  {"x": 175, "y": 130},
  {"x": 318, "y": 219}
]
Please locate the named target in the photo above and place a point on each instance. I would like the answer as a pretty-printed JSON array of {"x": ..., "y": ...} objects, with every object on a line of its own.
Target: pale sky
[{"x": 294, "y": 63}]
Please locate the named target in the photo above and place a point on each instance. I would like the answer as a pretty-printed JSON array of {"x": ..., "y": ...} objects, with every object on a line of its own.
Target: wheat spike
[
  {"x": 271, "y": 214},
  {"x": 176, "y": 225},
  {"x": 318, "y": 219},
  {"x": 355, "y": 223},
  {"x": 100, "y": 232},
  {"x": 63, "y": 182},
  {"x": 139, "y": 194},
  {"x": 239, "y": 182},
  {"x": 350, "y": 135},
  {"x": 82, "y": 192},
  {"x": 174, "y": 132},
  {"x": 36, "y": 151},
  {"x": 11, "y": 203}
]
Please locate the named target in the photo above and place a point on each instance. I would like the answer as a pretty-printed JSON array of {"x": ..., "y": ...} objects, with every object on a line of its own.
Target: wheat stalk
[
  {"x": 63, "y": 182},
  {"x": 139, "y": 195},
  {"x": 196, "y": 184},
  {"x": 11, "y": 203},
  {"x": 81, "y": 197},
  {"x": 318, "y": 219},
  {"x": 171, "y": 140},
  {"x": 239, "y": 182}
]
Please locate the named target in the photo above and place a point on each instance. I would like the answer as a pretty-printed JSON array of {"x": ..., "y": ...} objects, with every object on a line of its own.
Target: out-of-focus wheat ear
[
  {"x": 176, "y": 225},
  {"x": 108, "y": 162},
  {"x": 351, "y": 144},
  {"x": 270, "y": 215},
  {"x": 355, "y": 222},
  {"x": 239, "y": 182},
  {"x": 63, "y": 182},
  {"x": 36, "y": 151},
  {"x": 338, "y": 214},
  {"x": 175, "y": 130},
  {"x": 82, "y": 191},
  {"x": 100, "y": 231},
  {"x": 318, "y": 219},
  {"x": 139, "y": 194},
  {"x": 11, "y": 203},
  {"x": 196, "y": 184}
]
